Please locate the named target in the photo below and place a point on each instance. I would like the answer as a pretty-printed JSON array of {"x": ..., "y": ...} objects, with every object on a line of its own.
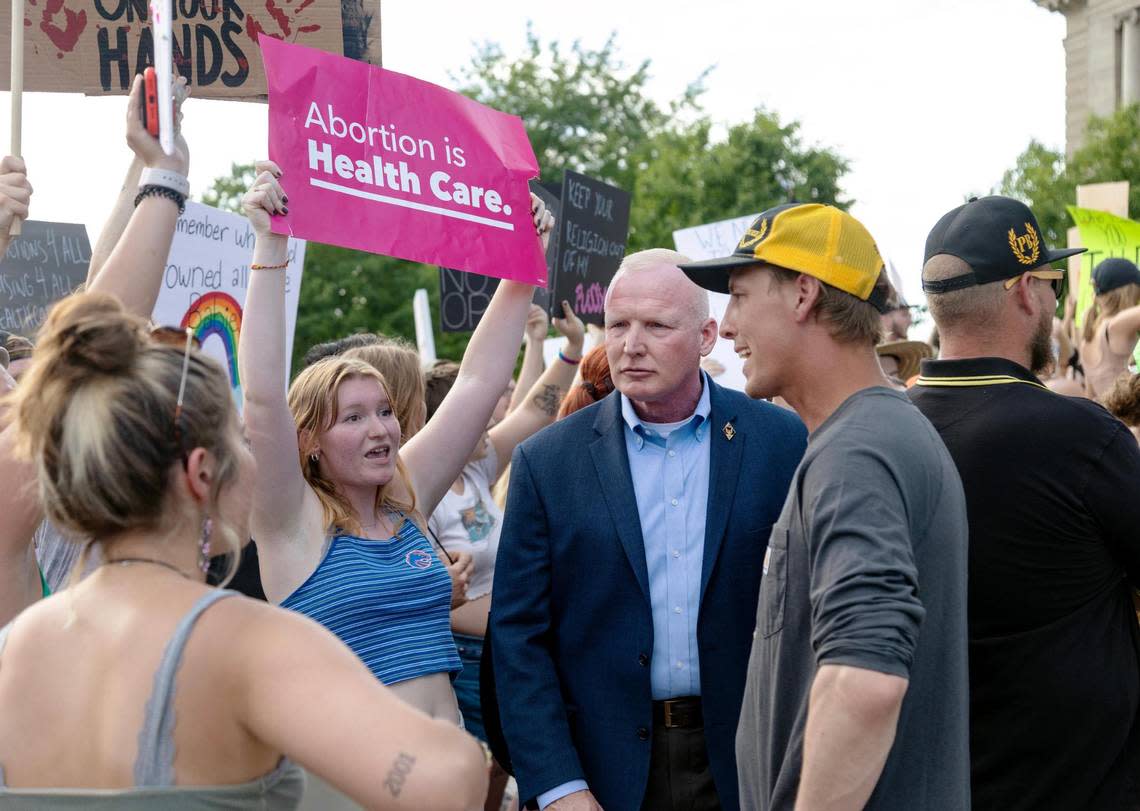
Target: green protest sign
[{"x": 1104, "y": 235}]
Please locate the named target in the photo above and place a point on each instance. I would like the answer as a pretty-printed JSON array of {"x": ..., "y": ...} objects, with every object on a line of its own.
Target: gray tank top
[{"x": 280, "y": 790}]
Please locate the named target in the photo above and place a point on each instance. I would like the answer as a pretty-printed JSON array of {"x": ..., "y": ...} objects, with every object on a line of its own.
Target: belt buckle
[{"x": 668, "y": 707}]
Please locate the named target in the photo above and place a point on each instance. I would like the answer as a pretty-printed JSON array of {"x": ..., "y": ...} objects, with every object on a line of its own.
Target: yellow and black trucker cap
[
  {"x": 998, "y": 237},
  {"x": 821, "y": 241}
]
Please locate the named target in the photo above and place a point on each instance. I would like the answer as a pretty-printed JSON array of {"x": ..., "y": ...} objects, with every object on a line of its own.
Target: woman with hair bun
[
  {"x": 135, "y": 246},
  {"x": 128, "y": 677}
]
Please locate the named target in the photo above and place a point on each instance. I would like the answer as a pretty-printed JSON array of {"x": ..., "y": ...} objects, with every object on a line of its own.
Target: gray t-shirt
[{"x": 866, "y": 567}]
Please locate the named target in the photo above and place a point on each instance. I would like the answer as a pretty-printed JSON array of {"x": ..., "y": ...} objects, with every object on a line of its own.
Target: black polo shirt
[{"x": 1052, "y": 489}]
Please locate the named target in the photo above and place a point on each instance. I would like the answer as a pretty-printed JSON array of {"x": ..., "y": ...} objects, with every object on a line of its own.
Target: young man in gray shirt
[{"x": 857, "y": 684}]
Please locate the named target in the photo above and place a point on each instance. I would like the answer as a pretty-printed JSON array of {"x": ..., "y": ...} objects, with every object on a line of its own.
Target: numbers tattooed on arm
[
  {"x": 398, "y": 774},
  {"x": 548, "y": 400}
]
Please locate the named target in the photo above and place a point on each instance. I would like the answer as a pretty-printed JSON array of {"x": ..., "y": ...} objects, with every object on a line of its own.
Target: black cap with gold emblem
[{"x": 998, "y": 237}]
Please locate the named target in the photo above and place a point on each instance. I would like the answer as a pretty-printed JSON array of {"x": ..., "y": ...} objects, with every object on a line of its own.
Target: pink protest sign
[{"x": 382, "y": 162}]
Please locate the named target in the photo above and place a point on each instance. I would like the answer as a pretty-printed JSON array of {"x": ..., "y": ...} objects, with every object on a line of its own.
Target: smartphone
[{"x": 150, "y": 102}]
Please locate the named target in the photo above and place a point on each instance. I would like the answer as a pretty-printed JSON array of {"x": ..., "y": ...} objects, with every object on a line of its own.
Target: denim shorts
[{"x": 466, "y": 684}]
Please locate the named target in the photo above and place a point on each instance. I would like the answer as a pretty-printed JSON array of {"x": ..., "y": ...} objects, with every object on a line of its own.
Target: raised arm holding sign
[{"x": 330, "y": 460}]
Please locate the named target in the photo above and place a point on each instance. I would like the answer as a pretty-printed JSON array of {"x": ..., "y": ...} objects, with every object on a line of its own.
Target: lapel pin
[{"x": 729, "y": 431}]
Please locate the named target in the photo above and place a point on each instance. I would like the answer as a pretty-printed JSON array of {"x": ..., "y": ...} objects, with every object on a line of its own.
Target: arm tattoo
[
  {"x": 548, "y": 400},
  {"x": 398, "y": 774}
]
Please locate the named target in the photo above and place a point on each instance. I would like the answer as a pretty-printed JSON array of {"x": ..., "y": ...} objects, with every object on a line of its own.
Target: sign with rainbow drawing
[
  {"x": 217, "y": 314},
  {"x": 207, "y": 274}
]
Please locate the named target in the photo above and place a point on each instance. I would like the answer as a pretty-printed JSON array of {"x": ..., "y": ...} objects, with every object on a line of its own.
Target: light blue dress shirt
[
  {"x": 669, "y": 465},
  {"x": 670, "y": 472}
]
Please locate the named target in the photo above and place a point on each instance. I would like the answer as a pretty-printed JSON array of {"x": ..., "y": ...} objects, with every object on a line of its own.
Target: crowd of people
[{"x": 887, "y": 575}]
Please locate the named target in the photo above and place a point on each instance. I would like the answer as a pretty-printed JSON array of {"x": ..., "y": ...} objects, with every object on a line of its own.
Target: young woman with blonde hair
[
  {"x": 339, "y": 508},
  {"x": 1112, "y": 325},
  {"x": 399, "y": 363},
  {"x": 123, "y": 691}
]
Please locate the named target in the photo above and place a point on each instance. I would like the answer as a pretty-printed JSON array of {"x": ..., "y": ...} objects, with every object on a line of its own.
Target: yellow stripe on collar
[{"x": 975, "y": 380}]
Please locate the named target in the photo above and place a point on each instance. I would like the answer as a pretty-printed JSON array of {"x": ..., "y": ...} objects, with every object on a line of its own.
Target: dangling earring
[
  {"x": 314, "y": 458},
  {"x": 204, "y": 545}
]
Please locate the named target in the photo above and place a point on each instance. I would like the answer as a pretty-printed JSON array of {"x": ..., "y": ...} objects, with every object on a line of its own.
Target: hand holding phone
[{"x": 150, "y": 102}]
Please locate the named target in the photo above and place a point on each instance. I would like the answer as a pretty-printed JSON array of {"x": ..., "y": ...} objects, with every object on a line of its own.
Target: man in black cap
[{"x": 1053, "y": 497}]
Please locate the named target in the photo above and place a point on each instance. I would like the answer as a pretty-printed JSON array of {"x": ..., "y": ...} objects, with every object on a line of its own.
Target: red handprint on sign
[
  {"x": 65, "y": 36},
  {"x": 285, "y": 20}
]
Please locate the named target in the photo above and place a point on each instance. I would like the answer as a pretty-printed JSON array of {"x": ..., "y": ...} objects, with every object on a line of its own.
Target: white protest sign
[
  {"x": 206, "y": 278},
  {"x": 425, "y": 337},
  {"x": 709, "y": 242}
]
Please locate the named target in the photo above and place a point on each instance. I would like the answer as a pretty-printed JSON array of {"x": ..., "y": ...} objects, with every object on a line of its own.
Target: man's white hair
[{"x": 655, "y": 258}]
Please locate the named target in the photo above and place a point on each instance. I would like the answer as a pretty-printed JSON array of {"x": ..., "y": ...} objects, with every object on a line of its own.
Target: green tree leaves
[{"x": 1047, "y": 182}]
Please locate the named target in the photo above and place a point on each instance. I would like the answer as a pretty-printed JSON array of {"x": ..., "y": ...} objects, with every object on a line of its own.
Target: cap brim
[
  {"x": 713, "y": 274},
  {"x": 1056, "y": 256}
]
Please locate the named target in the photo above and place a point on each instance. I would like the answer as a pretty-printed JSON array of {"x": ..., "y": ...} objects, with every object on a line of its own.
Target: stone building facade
[{"x": 1102, "y": 59}]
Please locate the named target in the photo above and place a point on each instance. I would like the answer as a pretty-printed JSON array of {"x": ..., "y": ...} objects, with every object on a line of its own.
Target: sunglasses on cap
[{"x": 1058, "y": 280}]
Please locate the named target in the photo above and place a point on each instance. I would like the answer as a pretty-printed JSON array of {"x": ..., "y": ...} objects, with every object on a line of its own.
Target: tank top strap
[{"x": 154, "y": 763}]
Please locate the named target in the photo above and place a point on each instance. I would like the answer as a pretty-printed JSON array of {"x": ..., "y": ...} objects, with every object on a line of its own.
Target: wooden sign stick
[{"x": 17, "y": 74}]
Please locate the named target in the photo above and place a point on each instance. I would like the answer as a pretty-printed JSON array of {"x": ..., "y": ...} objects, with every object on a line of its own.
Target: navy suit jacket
[{"x": 570, "y": 610}]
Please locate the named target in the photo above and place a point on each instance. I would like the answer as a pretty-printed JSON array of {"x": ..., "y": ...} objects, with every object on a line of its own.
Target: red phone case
[{"x": 150, "y": 102}]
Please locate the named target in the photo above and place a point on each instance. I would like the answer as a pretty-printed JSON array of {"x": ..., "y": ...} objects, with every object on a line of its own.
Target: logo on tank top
[{"x": 418, "y": 559}]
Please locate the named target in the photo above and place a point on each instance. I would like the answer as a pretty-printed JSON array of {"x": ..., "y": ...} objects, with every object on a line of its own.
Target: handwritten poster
[
  {"x": 47, "y": 262},
  {"x": 97, "y": 46},
  {"x": 592, "y": 239},
  {"x": 206, "y": 278}
]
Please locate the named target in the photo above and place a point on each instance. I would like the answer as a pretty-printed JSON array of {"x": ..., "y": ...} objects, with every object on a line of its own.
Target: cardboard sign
[
  {"x": 381, "y": 162},
  {"x": 97, "y": 46},
  {"x": 709, "y": 242},
  {"x": 46, "y": 263},
  {"x": 206, "y": 278},
  {"x": 595, "y": 226}
]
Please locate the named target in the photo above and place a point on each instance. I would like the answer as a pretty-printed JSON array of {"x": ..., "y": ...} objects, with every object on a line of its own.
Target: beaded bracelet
[
  {"x": 162, "y": 191},
  {"x": 269, "y": 267},
  {"x": 571, "y": 361}
]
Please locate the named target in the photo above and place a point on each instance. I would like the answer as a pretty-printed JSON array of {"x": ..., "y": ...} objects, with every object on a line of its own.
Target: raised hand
[
  {"x": 15, "y": 192},
  {"x": 537, "y": 324},
  {"x": 571, "y": 328},
  {"x": 145, "y": 145},
  {"x": 264, "y": 198},
  {"x": 543, "y": 219}
]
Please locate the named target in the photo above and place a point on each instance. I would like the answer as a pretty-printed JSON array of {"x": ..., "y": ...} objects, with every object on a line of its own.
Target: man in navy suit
[{"x": 629, "y": 565}]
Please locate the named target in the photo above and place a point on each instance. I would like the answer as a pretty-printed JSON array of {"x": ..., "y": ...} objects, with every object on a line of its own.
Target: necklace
[{"x": 154, "y": 561}]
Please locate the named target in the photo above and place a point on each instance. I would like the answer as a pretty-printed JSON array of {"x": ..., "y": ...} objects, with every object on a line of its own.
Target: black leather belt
[{"x": 679, "y": 713}]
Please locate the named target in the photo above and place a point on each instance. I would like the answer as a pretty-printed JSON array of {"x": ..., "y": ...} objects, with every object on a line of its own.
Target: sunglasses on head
[
  {"x": 1058, "y": 280},
  {"x": 183, "y": 339}
]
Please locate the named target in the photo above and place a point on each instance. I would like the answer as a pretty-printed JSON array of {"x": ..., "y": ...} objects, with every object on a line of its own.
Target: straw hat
[{"x": 909, "y": 354}]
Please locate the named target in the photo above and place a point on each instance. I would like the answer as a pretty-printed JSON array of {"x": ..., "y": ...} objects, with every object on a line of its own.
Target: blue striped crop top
[{"x": 389, "y": 601}]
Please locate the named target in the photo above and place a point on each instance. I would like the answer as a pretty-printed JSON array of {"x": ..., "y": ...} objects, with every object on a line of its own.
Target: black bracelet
[{"x": 162, "y": 191}]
